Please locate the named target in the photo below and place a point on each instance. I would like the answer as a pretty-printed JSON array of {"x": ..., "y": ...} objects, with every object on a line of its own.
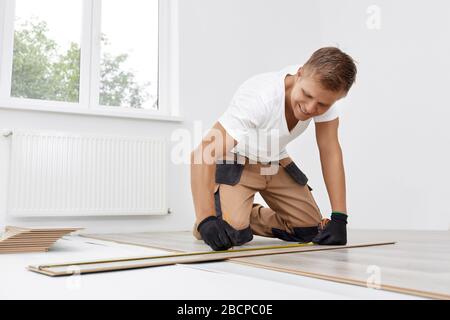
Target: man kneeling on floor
[{"x": 245, "y": 153}]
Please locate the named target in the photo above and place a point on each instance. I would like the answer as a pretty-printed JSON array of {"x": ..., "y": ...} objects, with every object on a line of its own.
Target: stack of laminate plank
[{"x": 34, "y": 239}]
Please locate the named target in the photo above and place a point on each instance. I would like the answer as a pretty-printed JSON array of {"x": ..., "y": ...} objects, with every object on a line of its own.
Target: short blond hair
[{"x": 334, "y": 69}]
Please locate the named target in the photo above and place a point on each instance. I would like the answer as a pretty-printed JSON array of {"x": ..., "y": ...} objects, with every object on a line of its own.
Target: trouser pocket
[
  {"x": 229, "y": 173},
  {"x": 296, "y": 173}
]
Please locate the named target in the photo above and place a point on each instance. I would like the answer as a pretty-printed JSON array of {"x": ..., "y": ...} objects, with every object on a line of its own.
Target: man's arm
[
  {"x": 215, "y": 145},
  {"x": 332, "y": 163},
  {"x": 334, "y": 231}
]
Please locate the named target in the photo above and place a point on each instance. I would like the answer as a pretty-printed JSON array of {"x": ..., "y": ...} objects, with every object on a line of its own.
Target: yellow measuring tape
[{"x": 179, "y": 255}]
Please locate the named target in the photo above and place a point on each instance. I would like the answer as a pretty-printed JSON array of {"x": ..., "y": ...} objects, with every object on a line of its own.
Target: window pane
[
  {"x": 46, "y": 60},
  {"x": 129, "y": 54}
]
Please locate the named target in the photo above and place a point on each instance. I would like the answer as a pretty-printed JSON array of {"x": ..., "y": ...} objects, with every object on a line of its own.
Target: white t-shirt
[{"x": 256, "y": 117}]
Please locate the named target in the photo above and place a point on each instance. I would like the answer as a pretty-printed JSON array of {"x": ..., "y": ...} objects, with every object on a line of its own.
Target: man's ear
[{"x": 299, "y": 74}]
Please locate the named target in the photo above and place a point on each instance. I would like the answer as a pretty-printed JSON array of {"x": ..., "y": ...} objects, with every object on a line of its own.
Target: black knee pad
[
  {"x": 306, "y": 234},
  {"x": 301, "y": 234},
  {"x": 239, "y": 237}
]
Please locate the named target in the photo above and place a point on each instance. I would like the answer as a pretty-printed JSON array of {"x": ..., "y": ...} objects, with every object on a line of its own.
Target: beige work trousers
[{"x": 292, "y": 215}]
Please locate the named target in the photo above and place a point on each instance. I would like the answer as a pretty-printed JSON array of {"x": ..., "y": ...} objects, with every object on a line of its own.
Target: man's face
[{"x": 309, "y": 98}]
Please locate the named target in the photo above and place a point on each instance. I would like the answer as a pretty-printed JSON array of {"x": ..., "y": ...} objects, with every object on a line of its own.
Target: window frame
[{"x": 88, "y": 104}]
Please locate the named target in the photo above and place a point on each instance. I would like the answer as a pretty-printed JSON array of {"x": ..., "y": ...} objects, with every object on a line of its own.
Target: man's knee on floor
[
  {"x": 238, "y": 228},
  {"x": 298, "y": 234},
  {"x": 239, "y": 236}
]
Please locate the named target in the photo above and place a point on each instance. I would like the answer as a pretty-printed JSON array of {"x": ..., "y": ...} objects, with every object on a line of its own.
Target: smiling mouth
[{"x": 303, "y": 111}]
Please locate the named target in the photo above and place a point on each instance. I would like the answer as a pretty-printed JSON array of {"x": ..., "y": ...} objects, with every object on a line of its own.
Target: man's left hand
[{"x": 334, "y": 231}]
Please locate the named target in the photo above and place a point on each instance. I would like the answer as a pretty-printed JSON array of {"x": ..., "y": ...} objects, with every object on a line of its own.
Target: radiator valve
[{"x": 7, "y": 133}]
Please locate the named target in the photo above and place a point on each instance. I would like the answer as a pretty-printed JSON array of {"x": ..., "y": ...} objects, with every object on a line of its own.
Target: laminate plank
[
  {"x": 418, "y": 264},
  {"x": 178, "y": 241},
  {"x": 66, "y": 268},
  {"x": 24, "y": 239}
]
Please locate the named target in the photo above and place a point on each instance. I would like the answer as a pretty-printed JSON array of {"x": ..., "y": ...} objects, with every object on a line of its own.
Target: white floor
[{"x": 219, "y": 280}]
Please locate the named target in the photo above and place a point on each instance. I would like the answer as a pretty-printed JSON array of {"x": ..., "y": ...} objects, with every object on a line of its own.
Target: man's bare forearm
[
  {"x": 334, "y": 176},
  {"x": 215, "y": 145},
  {"x": 202, "y": 186}
]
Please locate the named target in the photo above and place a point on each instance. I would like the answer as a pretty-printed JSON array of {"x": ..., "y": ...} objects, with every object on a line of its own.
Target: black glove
[
  {"x": 334, "y": 232},
  {"x": 213, "y": 232}
]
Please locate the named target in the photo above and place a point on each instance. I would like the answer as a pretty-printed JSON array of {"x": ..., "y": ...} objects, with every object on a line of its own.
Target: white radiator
[{"x": 53, "y": 174}]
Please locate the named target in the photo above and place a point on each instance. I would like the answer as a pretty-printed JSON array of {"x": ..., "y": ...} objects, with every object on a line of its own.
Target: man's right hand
[{"x": 213, "y": 233}]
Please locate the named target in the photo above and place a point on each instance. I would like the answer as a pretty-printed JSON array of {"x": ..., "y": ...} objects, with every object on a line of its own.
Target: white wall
[
  {"x": 221, "y": 44},
  {"x": 394, "y": 129}
]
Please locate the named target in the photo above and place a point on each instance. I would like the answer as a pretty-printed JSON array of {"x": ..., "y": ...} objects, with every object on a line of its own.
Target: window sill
[{"x": 67, "y": 108}]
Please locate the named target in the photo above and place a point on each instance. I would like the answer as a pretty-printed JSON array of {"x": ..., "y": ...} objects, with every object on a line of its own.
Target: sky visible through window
[
  {"x": 130, "y": 27},
  {"x": 63, "y": 18}
]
